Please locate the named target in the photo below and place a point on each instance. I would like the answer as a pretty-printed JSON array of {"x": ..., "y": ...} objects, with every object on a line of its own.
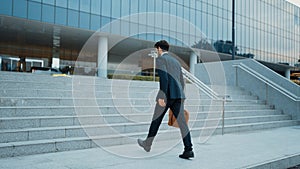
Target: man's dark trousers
[{"x": 177, "y": 106}]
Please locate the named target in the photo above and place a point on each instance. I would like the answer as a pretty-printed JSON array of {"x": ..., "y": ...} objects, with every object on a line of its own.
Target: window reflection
[
  {"x": 20, "y": 8},
  {"x": 6, "y": 7},
  {"x": 34, "y": 11},
  {"x": 116, "y": 10},
  {"x": 48, "y": 13},
  {"x": 265, "y": 28},
  {"x": 62, "y": 3},
  {"x": 106, "y": 8},
  {"x": 73, "y": 18},
  {"x": 50, "y": 2},
  {"x": 84, "y": 20},
  {"x": 96, "y": 6},
  {"x": 61, "y": 16},
  {"x": 85, "y": 5},
  {"x": 95, "y": 22},
  {"x": 73, "y": 4}
]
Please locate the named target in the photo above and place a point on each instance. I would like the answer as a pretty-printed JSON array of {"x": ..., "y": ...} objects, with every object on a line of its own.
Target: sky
[{"x": 296, "y": 2}]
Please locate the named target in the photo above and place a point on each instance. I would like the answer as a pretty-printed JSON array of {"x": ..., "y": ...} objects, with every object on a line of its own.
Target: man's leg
[
  {"x": 157, "y": 118},
  {"x": 178, "y": 109}
]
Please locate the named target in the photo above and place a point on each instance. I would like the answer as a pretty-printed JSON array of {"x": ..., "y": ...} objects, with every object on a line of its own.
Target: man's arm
[
  {"x": 182, "y": 80},
  {"x": 163, "y": 78}
]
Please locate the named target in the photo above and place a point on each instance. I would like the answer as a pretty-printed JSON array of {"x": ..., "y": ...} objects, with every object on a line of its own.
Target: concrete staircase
[{"x": 42, "y": 114}]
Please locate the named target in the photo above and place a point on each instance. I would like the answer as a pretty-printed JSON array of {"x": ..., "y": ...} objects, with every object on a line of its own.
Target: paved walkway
[{"x": 239, "y": 150}]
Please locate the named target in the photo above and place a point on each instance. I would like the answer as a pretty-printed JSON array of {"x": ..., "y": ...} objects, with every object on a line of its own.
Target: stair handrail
[
  {"x": 200, "y": 85},
  {"x": 269, "y": 82},
  {"x": 208, "y": 91}
]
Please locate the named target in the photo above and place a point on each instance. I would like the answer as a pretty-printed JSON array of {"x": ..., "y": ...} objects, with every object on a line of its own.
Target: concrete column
[
  {"x": 56, "y": 48},
  {"x": 102, "y": 56},
  {"x": 287, "y": 73},
  {"x": 193, "y": 61}
]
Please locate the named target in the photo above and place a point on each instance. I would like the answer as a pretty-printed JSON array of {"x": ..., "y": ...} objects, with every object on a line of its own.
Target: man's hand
[{"x": 162, "y": 102}]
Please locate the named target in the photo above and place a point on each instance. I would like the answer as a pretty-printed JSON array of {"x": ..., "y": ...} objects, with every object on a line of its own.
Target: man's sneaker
[{"x": 143, "y": 144}]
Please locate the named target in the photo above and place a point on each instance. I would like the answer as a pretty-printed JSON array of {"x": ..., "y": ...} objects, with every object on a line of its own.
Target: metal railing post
[
  {"x": 223, "y": 115},
  {"x": 267, "y": 93}
]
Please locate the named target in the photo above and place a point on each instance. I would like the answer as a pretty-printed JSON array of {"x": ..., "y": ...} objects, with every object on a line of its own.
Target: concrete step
[
  {"x": 102, "y": 126},
  {"x": 73, "y": 143},
  {"x": 128, "y": 109},
  {"x": 52, "y": 121},
  {"x": 69, "y": 111},
  {"x": 70, "y": 101},
  {"x": 40, "y": 113}
]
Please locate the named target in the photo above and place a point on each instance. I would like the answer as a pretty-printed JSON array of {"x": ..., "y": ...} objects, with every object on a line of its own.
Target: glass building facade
[{"x": 268, "y": 29}]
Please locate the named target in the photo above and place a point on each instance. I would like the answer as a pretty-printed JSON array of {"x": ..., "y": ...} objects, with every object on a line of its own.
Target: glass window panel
[
  {"x": 104, "y": 21},
  {"x": 204, "y": 7},
  {"x": 204, "y": 24},
  {"x": 198, "y": 5},
  {"x": 157, "y": 37},
  {"x": 179, "y": 11},
  {"x": 150, "y": 36},
  {"x": 133, "y": 29},
  {"x": 96, "y": 6},
  {"x": 6, "y": 7},
  {"x": 50, "y": 2},
  {"x": 166, "y": 22},
  {"x": 125, "y": 8},
  {"x": 151, "y": 7},
  {"x": 106, "y": 8},
  {"x": 125, "y": 28},
  {"x": 175, "y": 25},
  {"x": 142, "y": 6},
  {"x": 187, "y": 13},
  {"x": 220, "y": 29},
  {"x": 193, "y": 17},
  {"x": 198, "y": 19},
  {"x": 61, "y": 16},
  {"x": 116, "y": 28},
  {"x": 37, "y": 0},
  {"x": 134, "y": 6},
  {"x": 166, "y": 7},
  {"x": 48, "y": 13},
  {"x": 173, "y": 9},
  {"x": 74, "y": 4},
  {"x": 116, "y": 10},
  {"x": 84, "y": 21},
  {"x": 95, "y": 22},
  {"x": 210, "y": 26},
  {"x": 62, "y": 3},
  {"x": 20, "y": 8},
  {"x": 34, "y": 11},
  {"x": 73, "y": 17},
  {"x": 192, "y": 4},
  {"x": 158, "y": 5},
  {"x": 210, "y": 9},
  {"x": 180, "y": 2},
  {"x": 85, "y": 5},
  {"x": 150, "y": 20},
  {"x": 187, "y": 3}
]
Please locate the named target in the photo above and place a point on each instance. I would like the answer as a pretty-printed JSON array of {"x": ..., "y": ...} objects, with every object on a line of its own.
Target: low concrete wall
[{"x": 234, "y": 76}]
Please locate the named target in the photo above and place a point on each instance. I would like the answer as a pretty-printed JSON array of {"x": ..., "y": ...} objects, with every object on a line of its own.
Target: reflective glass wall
[{"x": 267, "y": 29}]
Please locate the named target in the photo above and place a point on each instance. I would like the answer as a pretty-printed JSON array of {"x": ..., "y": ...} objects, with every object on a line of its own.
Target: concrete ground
[{"x": 274, "y": 148}]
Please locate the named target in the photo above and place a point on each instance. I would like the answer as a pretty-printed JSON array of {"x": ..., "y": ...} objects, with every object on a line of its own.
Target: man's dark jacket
[{"x": 171, "y": 81}]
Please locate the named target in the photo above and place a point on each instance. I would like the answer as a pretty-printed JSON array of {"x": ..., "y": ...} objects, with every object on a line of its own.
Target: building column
[
  {"x": 102, "y": 57},
  {"x": 287, "y": 73},
  {"x": 193, "y": 61},
  {"x": 55, "y": 60}
]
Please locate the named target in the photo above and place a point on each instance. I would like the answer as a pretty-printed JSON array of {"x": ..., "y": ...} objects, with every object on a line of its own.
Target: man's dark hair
[{"x": 162, "y": 44}]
